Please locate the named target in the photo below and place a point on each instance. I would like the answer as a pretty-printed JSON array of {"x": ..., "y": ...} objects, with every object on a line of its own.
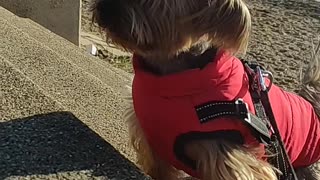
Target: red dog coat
[{"x": 165, "y": 108}]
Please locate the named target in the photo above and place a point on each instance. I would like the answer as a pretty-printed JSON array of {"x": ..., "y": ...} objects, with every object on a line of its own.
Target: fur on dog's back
[{"x": 310, "y": 88}]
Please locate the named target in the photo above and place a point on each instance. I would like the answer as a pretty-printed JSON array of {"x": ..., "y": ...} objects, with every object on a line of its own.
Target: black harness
[{"x": 263, "y": 124}]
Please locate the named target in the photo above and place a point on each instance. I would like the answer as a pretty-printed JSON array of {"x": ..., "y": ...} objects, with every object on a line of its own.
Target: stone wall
[{"x": 62, "y": 17}]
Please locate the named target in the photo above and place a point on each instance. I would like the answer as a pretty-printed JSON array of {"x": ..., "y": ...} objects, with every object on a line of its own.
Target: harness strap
[
  {"x": 237, "y": 109},
  {"x": 259, "y": 125}
]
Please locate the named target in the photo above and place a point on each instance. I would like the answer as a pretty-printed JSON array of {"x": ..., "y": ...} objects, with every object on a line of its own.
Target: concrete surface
[
  {"x": 62, "y": 17},
  {"x": 57, "y": 145},
  {"x": 101, "y": 69},
  {"x": 60, "y": 109}
]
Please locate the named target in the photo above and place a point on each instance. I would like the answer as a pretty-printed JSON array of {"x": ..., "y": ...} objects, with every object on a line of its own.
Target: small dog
[{"x": 184, "y": 56}]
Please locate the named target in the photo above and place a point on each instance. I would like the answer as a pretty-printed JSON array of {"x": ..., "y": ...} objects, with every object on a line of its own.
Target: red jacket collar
[{"x": 187, "y": 82}]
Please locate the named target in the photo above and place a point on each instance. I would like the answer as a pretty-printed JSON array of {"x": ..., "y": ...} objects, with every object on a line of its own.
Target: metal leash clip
[{"x": 260, "y": 75}]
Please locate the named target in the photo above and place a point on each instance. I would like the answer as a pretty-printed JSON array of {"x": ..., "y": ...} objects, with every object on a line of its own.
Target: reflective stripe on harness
[{"x": 239, "y": 110}]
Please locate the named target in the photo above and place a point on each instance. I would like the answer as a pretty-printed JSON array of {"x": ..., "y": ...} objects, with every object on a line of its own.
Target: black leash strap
[
  {"x": 259, "y": 94},
  {"x": 291, "y": 175}
]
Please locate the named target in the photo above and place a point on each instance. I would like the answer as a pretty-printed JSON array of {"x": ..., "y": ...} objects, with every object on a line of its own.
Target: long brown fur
[{"x": 160, "y": 30}]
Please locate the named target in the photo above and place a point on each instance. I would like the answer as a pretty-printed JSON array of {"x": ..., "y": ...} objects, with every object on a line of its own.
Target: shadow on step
[{"x": 58, "y": 142}]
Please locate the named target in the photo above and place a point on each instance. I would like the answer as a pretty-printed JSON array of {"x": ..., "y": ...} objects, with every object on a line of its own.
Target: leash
[{"x": 259, "y": 93}]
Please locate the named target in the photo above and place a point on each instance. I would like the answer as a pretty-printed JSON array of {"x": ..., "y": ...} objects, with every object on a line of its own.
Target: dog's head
[{"x": 162, "y": 29}]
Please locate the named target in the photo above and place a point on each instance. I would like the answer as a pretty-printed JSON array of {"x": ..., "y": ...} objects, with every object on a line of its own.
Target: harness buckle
[{"x": 239, "y": 102}]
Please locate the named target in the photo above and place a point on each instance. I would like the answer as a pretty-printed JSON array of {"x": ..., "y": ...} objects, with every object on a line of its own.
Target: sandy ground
[{"x": 281, "y": 37}]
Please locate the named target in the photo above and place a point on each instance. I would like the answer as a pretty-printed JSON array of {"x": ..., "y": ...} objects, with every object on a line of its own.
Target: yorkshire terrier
[{"x": 184, "y": 56}]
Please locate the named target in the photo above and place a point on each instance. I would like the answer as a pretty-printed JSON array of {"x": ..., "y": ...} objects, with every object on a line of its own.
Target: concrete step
[
  {"x": 59, "y": 118},
  {"x": 19, "y": 96},
  {"x": 39, "y": 140},
  {"x": 97, "y": 103},
  {"x": 95, "y": 66}
]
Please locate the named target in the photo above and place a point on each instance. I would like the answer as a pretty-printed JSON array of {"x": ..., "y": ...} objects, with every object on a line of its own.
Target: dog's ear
[
  {"x": 113, "y": 16},
  {"x": 105, "y": 12},
  {"x": 226, "y": 22},
  {"x": 125, "y": 22}
]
